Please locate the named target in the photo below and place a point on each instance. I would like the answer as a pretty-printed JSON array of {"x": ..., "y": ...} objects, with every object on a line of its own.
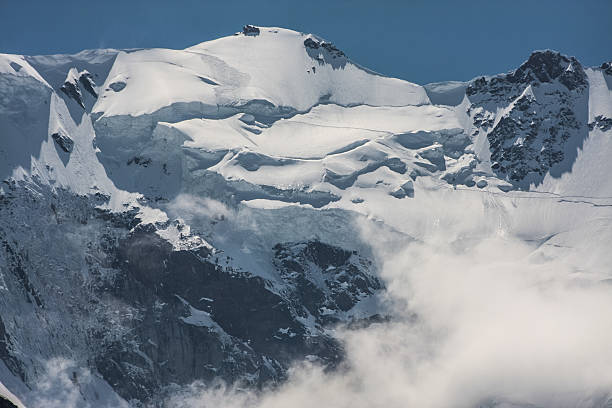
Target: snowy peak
[
  {"x": 162, "y": 111},
  {"x": 548, "y": 66},
  {"x": 281, "y": 68},
  {"x": 542, "y": 67},
  {"x": 17, "y": 65},
  {"x": 534, "y": 118}
]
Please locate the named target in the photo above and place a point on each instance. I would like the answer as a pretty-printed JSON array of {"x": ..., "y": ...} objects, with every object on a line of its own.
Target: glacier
[{"x": 227, "y": 211}]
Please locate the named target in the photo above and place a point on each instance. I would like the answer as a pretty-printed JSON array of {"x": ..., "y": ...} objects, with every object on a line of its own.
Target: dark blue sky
[{"x": 420, "y": 41}]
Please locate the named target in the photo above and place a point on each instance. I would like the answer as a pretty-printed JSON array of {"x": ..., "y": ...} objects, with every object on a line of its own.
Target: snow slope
[{"x": 273, "y": 67}]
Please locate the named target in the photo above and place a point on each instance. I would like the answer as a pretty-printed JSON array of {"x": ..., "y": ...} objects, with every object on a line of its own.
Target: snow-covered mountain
[{"x": 168, "y": 216}]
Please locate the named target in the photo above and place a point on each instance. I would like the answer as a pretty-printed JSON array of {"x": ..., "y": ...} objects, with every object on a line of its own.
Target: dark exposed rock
[
  {"x": 15, "y": 66},
  {"x": 358, "y": 324},
  {"x": 38, "y": 274},
  {"x": 547, "y": 66},
  {"x": 71, "y": 89},
  {"x": 476, "y": 86},
  {"x": 63, "y": 141},
  {"x": 6, "y": 403},
  {"x": 606, "y": 67},
  {"x": 325, "y": 53},
  {"x": 6, "y": 356},
  {"x": 405, "y": 190},
  {"x": 141, "y": 161},
  {"x": 332, "y": 49},
  {"x": 326, "y": 280},
  {"x": 541, "y": 130},
  {"x": 310, "y": 43},
  {"x": 87, "y": 81},
  {"x": 17, "y": 259},
  {"x": 541, "y": 67},
  {"x": 602, "y": 123},
  {"x": 75, "y": 82},
  {"x": 250, "y": 30},
  {"x": 523, "y": 142},
  {"x": 251, "y": 329},
  {"x": 208, "y": 81},
  {"x": 147, "y": 315}
]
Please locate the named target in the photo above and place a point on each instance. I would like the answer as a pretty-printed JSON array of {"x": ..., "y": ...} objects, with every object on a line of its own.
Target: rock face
[
  {"x": 250, "y": 30},
  {"x": 87, "y": 81},
  {"x": 77, "y": 80},
  {"x": 544, "y": 119},
  {"x": 63, "y": 141},
  {"x": 602, "y": 123},
  {"x": 326, "y": 281},
  {"x": 212, "y": 322},
  {"x": 150, "y": 315},
  {"x": 5, "y": 403},
  {"x": 324, "y": 53},
  {"x": 71, "y": 89}
]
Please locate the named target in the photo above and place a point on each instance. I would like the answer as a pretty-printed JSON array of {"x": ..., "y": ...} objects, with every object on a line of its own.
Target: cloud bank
[{"x": 480, "y": 318}]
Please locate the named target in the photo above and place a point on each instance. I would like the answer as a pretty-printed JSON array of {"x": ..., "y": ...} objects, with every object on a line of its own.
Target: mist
[{"x": 479, "y": 317}]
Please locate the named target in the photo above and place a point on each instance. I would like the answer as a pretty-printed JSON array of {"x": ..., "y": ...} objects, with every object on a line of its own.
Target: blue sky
[{"x": 420, "y": 41}]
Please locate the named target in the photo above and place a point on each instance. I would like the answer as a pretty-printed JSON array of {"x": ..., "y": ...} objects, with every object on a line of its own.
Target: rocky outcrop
[
  {"x": 146, "y": 315},
  {"x": 6, "y": 403},
  {"x": 542, "y": 121},
  {"x": 250, "y": 30},
  {"x": 87, "y": 81},
  {"x": 63, "y": 141},
  {"x": 326, "y": 281},
  {"x": 325, "y": 53},
  {"x": 73, "y": 83},
  {"x": 542, "y": 67},
  {"x": 601, "y": 122},
  {"x": 71, "y": 89}
]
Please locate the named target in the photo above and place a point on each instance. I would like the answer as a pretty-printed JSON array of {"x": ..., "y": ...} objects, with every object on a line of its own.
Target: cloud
[
  {"x": 195, "y": 209},
  {"x": 64, "y": 383},
  {"x": 59, "y": 386},
  {"x": 479, "y": 318}
]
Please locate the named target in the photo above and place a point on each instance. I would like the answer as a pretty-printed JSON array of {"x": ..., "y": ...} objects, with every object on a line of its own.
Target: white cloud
[
  {"x": 65, "y": 384},
  {"x": 194, "y": 209},
  {"x": 480, "y": 318}
]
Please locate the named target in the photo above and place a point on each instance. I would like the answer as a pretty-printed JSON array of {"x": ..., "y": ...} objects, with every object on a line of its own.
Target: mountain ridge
[{"x": 215, "y": 213}]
